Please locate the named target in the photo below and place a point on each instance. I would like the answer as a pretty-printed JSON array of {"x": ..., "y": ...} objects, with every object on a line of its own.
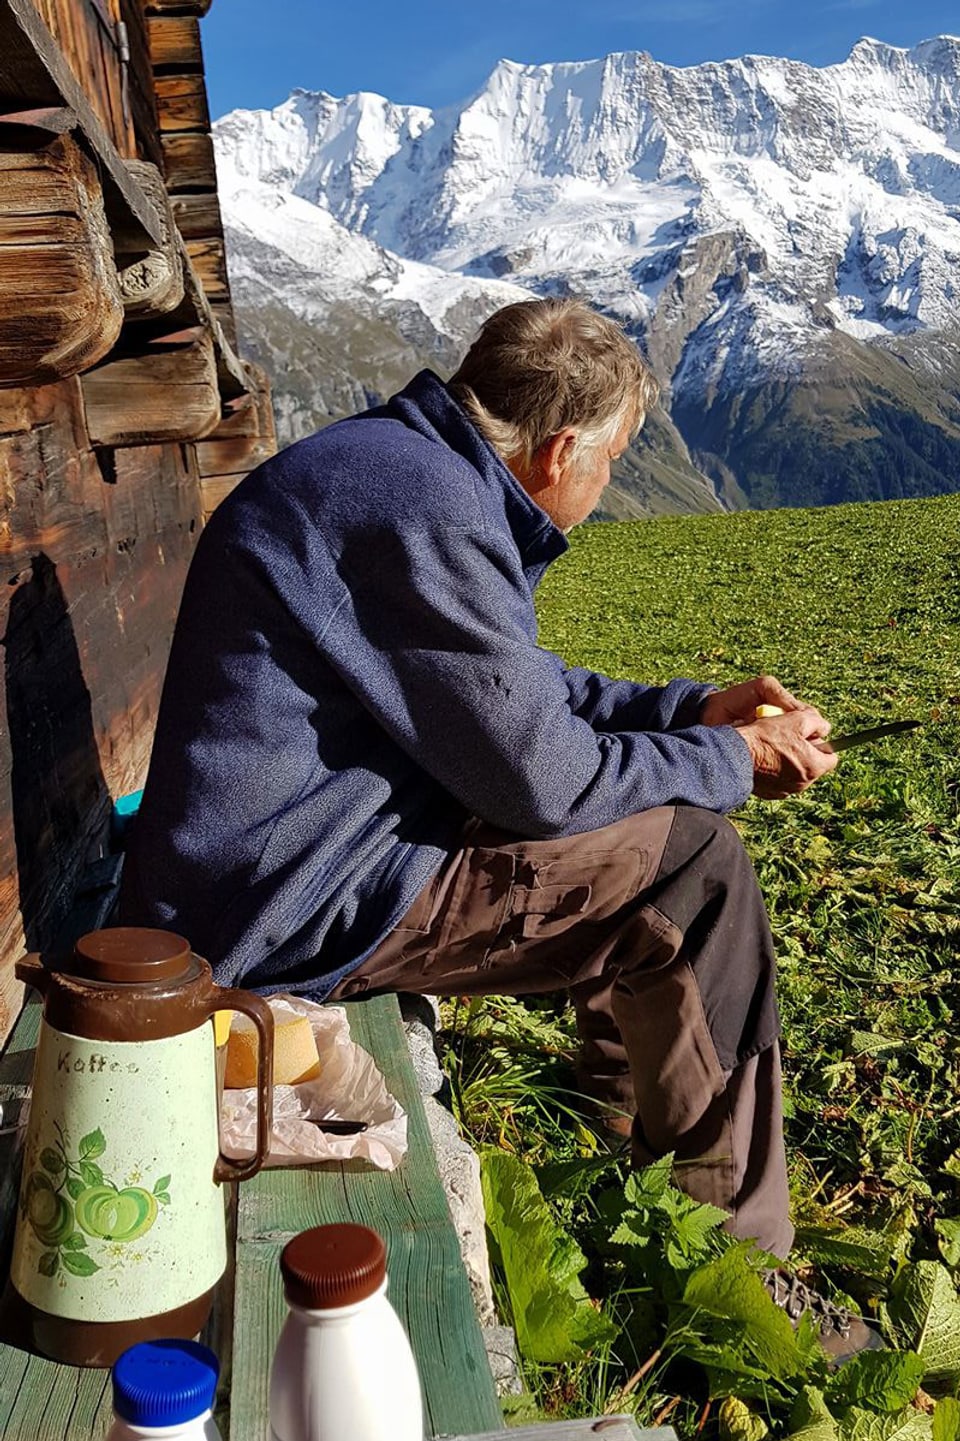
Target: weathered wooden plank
[
  {"x": 175, "y": 42},
  {"x": 60, "y": 302},
  {"x": 33, "y": 70},
  {"x": 428, "y": 1285},
  {"x": 139, "y": 76},
  {"x": 151, "y": 282},
  {"x": 197, "y": 216},
  {"x": 14, "y": 412},
  {"x": 223, "y": 310},
  {"x": 165, "y": 391},
  {"x": 182, "y": 102},
  {"x": 176, "y": 7},
  {"x": 188, "y": 161},
  {"x": 233, "y": 457},
  {"x": 85, "y": 32},
  {"x": 240, "y": 417},
  {"x": 209, "y": 260}
]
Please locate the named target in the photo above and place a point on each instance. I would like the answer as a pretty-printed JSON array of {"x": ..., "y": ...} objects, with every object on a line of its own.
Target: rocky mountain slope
[{"x": 784, "y": 242}]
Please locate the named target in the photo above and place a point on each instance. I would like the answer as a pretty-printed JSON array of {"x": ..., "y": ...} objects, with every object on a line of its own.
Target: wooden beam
[
  {"x": 166, "y": 391},
  {"x": 197, "y": 216},
  {"x": 188, "y": 161},
  {"x": 209, "y": 260},
  {"x": 35, "y": 74},
  {"x": 176, "y": 7},
  {"x": 182, "y": 102},
  {"x": 151, "y": 282},
  {"x": 60, "y": 303},
  {"x": 15, "y": 412},
  {"x": 233, "y": 457},
  {"x": 175, "y": 43}
]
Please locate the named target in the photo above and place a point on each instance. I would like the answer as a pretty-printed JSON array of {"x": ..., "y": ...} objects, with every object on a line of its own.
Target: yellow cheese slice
[
  {"x": 765, "y": 710},
  {"x": 295, "y": 1056},
  {"x": 221, "y": 1026}
]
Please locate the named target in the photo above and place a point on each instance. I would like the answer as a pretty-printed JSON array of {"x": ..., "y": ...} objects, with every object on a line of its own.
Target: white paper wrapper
[{"x": 348, "y": 1088}]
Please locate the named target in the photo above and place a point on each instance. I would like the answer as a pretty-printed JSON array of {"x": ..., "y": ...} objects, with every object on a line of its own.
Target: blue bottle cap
[{"x": 164, "y": 1383}]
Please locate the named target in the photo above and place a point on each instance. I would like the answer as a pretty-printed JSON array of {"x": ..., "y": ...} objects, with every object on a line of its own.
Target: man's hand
[
  {"x": 738, "y": 704},
  {"x": 786, "y": 758}
]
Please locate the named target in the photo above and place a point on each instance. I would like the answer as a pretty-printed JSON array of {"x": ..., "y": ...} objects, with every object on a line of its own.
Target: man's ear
[{"x": 552, "y": 459}]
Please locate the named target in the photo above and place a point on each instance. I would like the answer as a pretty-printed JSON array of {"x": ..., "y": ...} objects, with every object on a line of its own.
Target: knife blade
[{"x": 876, "y": 733}]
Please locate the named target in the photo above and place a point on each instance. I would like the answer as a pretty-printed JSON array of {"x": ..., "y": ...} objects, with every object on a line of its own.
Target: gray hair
[{"x": 540, "y": 365}]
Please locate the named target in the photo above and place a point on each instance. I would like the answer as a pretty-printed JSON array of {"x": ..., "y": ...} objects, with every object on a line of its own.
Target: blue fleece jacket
[{"x": 354, "y": 673}]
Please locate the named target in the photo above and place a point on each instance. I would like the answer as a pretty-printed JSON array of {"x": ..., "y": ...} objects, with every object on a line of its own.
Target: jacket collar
[{"x": 427, "y": 406}]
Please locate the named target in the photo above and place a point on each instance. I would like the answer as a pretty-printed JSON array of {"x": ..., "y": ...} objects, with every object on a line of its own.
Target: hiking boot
[{"x": 842, "y": 1334}]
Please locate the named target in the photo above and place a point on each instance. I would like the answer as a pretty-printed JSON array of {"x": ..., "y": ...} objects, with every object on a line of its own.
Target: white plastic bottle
[
  {"x": 343, "y": 1369},
  {"x": 164, "y": 1391}
]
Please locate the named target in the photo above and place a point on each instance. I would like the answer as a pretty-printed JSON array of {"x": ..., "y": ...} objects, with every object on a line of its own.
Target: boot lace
[{"x": 794, "y": 1297}]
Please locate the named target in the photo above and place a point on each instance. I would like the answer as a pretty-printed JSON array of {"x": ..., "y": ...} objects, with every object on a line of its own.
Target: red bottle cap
[{"x": 331, "y": 1266}]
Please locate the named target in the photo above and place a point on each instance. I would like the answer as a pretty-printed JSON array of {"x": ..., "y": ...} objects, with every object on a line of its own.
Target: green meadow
[{"x": 857, "y": 609}]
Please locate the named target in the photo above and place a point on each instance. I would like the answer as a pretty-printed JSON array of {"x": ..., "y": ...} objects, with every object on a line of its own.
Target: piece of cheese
[
  {"x": 295, "y": 1056},
  {"x": 221, "y": 1027},
  {"x": 765, "y": 710}
]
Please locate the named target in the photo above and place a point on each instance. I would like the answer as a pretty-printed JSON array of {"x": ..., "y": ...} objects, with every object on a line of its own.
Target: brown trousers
[{"x": 656, "y": 928}]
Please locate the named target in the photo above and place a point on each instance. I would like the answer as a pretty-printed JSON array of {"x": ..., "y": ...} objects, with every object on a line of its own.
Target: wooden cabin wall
[
  {"x": 95, "y": 547},
  {"x": 86, "y": 32},
  {"x": 98, "y": 516}
]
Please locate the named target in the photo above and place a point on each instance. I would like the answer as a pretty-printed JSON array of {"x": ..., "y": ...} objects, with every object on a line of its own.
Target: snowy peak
[{"x": 742, "y": 217}]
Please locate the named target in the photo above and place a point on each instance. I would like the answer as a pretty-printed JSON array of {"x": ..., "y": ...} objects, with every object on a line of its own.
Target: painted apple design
[
  {"x": 112, "y": 1215},
  {"x": 67, "y": 1198}
]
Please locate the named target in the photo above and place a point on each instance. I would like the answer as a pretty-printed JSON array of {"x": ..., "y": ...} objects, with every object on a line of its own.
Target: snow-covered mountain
[{"x": 784, "y": 241}]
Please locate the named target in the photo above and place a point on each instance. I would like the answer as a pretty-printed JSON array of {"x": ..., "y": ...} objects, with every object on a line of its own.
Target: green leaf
[
  {"x": 576, "y": 1177},
  {"x": 878, "y": 1380},
  {"x": 162, "y": 1185},
  {"x": 552, "y": 1313},
  {"x": 80, "y": 1264},
  {"x": 739, "y": 1423},
  {"x": 946, "y": 1420},
  {"x": 925, "y": 1314},
  {"x": 646, "y": 1188},
  {"x": 75, "y": 1187},
  {"x": 948, "y": 1232},
  {"x": 811, "y": 1417},
  {"x": 163, "y": 1197},
  {"x": 728, "y": 1288},
  {"x": 92, "y": 1175},
  {"x": 908, "y": 1425},
  {"x": 866, "y": 1253},
  {"x": 51, "y": 1160},
  {"x": 92, "y": 1145},
  {"x": 49, "y": 1263},
  {"x": 75, "y": 1242}
]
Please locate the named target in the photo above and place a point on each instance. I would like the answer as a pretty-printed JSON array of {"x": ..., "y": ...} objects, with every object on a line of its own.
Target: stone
[
  {"x": 501, "y": 1346},
  {"x": 460, "y": 1173},
  {"x": 420, "y": 1015}
]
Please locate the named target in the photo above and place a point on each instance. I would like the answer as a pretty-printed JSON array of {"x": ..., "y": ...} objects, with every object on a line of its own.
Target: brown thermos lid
[
  {"x": 330, "y": 1266},
  {"x": 130, "y": 955}
]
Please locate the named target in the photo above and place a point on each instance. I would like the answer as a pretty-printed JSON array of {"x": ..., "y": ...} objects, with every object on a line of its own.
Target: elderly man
[{"x": 367, "y": 775}]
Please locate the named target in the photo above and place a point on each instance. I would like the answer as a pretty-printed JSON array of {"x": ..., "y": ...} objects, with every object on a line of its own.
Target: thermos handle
[{"x": 262, "y": 1017}]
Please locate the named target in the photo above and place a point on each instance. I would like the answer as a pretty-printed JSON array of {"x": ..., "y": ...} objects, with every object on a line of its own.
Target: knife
[{"x": 860, "y": 738}]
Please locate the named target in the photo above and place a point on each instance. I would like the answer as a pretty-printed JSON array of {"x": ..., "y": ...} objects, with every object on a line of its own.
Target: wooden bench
[{"x": 41, "y": 1400}]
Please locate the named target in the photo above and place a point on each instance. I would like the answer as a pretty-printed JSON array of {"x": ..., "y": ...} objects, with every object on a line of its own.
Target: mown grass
[{"x": 857, "y": 609}]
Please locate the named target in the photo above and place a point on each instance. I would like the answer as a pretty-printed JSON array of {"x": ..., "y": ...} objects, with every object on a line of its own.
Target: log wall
[
  {"x": 94, "y": 549},
  {"x": 101, "y": 493}
]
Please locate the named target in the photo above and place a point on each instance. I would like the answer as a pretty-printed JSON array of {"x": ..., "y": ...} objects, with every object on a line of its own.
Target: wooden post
[
  {"x": 60, "y": 303},
  {"x": 166, "y": 390}
]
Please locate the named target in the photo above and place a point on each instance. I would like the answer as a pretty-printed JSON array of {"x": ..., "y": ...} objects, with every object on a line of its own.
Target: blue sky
[{"x": 430, "y": 53}]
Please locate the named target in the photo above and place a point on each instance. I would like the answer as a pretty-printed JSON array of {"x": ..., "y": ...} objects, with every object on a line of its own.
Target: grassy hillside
[{"x": 856, "y": 608}]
